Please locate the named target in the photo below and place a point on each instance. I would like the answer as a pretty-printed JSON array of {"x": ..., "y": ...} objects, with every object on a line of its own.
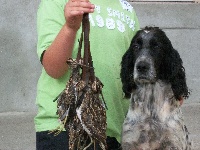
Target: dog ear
[
  {"x": 174, "y": 73},
  {"x": 127, "y": 66}
]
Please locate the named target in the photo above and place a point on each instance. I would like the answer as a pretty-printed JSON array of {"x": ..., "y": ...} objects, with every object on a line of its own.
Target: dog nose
[{"x": 143, "y": 67}]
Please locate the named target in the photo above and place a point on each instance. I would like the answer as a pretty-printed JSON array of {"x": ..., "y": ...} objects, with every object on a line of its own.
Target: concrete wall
[{"x": 20, "y": 68}]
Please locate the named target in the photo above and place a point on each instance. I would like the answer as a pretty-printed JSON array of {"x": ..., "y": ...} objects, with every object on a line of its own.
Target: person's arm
[{"x": 56, "y": 55}]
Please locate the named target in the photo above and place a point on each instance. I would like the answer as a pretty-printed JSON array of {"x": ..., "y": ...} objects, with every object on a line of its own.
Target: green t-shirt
[{"x": 112, "y": 26}]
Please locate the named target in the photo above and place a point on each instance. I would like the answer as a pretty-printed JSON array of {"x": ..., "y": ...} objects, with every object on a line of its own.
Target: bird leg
[
  {"x": 59, "y": 129},
  {"x": 91, "y": 142}
]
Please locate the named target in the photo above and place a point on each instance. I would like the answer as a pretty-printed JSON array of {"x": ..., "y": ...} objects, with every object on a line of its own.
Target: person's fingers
[
  {"x": 80, "y": 11},
  {"x": 79, "y": 7},
  {"x": 79, "y": 1},
  {"x": 81, "y": 4},
  {"x": 74, "y": 11}
]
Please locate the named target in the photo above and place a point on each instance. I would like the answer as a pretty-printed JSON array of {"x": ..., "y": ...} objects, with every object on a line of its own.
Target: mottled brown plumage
[
  {"x": 89, "y": 113},
  {"x": 81, "y": 107}
]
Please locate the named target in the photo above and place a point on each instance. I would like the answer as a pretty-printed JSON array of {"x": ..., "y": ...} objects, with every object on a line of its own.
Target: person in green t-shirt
[{"x": 112, "y": 26}]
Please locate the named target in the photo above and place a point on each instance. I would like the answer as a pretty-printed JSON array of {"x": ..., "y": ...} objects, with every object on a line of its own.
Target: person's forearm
[{"x": 55, "y": 57}]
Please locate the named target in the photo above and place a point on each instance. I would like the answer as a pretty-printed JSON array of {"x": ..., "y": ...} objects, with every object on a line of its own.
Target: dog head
[{"x": 150, "y": 57}]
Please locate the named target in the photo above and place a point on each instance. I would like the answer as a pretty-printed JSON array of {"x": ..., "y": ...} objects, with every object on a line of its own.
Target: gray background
[{"x": 20, "y": 67}]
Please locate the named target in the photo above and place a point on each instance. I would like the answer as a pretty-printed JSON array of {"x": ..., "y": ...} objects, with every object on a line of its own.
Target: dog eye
[
  {"x": 135, "y": 46},
  {"x": 155, "y": 45}
]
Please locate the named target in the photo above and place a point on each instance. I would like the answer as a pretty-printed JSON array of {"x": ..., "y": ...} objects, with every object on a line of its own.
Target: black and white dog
[{"x": 153, "y": 77}]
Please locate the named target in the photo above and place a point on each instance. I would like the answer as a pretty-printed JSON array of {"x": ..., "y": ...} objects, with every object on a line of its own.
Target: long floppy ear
[
  {"x": 127, "y": 66},
  {"x": 174, "y": 72}
]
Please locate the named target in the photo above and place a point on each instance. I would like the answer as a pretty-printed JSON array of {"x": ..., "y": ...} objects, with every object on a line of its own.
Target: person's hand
[{"x": 74, "y": 10}]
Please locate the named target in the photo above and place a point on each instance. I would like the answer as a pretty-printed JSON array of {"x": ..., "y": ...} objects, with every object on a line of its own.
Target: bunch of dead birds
[{"x": 80, "y": 106}]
